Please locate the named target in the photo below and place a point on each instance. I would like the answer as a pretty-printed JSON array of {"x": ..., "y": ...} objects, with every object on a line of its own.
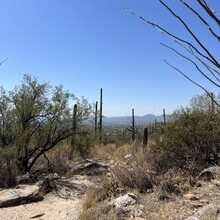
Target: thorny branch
[
  {"x": 190, "y": 60},
  {"x": 209, "y": 68},
  {"x": 213, "y": 60},
  {"x": 164, "y": 31},
  {"x": 200, "y": 51},
  {"x": 207, "y": 92},
  {"x": 202, "y": 19},
  {"x": 209, "y": 11},
  {"x": 1, "y": 62}
]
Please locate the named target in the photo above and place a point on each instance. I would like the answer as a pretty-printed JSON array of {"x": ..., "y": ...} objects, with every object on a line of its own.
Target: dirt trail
[
  {"x": 64, "y": 203},
  {"x": 52, "y": 207}
]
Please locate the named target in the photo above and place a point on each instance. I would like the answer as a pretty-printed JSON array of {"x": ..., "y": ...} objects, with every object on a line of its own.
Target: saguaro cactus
[
  {"x": 133, "y": 126},
  {"x": 164, "y": 117},
  {"x": 145, "y": 137},
  {"x": 155, "y": 125},
  {"x": 100, "y": 118},
  {"x": 73, "y": 137},
  {"x": 96, "y": 116}
]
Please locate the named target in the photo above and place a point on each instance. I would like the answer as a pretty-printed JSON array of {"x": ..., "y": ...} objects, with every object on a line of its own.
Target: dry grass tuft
[
  {"x": 95, "y": 206},
  {"x": 54, "y": 161},
  {"x": 103, "y": 152}
]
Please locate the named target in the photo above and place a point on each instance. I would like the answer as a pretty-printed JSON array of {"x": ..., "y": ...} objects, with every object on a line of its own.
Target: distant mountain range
[{"x": 146, "y": 119}]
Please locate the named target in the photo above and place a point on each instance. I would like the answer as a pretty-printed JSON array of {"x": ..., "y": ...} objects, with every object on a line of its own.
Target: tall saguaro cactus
[
  {"x": 164, "y": 117},
  {"x": 155, "y": 125},
  {"x": 73, "y": 137},
  {"x": 133, "y": 126},
  {"x": 96, "y": 115},
  {"x": 145, "y": 137},
  {"x": 100, "y": 118}
]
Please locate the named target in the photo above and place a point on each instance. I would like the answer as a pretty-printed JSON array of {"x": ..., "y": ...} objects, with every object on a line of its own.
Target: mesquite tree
[
  {"x": 34, "y": 118},
  {"x": 194, "y": 48}
]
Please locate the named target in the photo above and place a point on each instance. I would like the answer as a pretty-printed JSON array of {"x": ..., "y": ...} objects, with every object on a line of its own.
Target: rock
[
  {"x": 124, "y": 204},
  {"x": 190, "y": 196},
  {"x": 192, "y": 218},
  {"x": 209, "y": 173},
  {"x": 216, "y": 182},
  {"x": 25, "y": 179},
  {"x": 20, "y": 195},
  {"x": 137, "y": 211},
  {"x": 127, "y": 156},
  {"x": 89, "y": 168},
  {"x": 47, "y": 184},
  {"x": 136, "y": 218},
  {"x": 24, "y": 193},
  {"x": 207, "y": 212}
]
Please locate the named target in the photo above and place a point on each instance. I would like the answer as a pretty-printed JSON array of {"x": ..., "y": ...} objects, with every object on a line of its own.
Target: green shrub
[
  {"x": 8, "y": 169},
  {"x": 192, "y": 138}
]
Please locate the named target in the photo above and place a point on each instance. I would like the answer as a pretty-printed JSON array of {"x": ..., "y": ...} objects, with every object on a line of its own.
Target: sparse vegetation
[
  {"x": 193, "y": 138},
  {"x": 37, "y": 131},
  {"x": 172, "y": 160},
  {"x": 59, "y": 143}
]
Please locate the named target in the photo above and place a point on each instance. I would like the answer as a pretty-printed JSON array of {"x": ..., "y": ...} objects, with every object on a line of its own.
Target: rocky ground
[
  {"x": 66, "y": 195},
  {"x": 201, "y": 202}
]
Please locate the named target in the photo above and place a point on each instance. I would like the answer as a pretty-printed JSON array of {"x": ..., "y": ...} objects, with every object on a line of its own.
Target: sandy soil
[{"x": 64, "y": 203}]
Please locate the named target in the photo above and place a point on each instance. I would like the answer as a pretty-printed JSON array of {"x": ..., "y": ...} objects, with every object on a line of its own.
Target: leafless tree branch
[
  {"x": 209, "y": 11},
  {"x": 1, "y": 62},
  {"x": 183, "y": 74},
  {"x": 164, "y": 31},
  {"x": 197, "y": 67},
  {"x": 209, "y": 68},
  {"x": 202, "y": 19},
  {"x": 214, "y": 61},
  {"x": 194, "y": 46}
]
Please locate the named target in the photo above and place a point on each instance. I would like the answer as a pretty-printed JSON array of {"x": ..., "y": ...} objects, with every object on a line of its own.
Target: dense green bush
[
  {"x": 192, "y": 138},
  {"x": 8, "y": 169},
  {"x": 35, "y": 117}
]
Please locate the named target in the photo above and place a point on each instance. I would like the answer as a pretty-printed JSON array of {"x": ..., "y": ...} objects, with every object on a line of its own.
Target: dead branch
[
  {"x": 209, "y": 11},
  {"x": 197, "y": 67},
  {"x": 202, "y": 19},
  {"x": 3, "y": 61},
  {"x": 164, "y": 31},
  {"x": 178, "y": 70},
  {"x": 213, "y": 60}
]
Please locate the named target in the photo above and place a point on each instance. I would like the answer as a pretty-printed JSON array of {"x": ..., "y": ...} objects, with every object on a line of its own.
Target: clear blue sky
[{"x": 86, "y": 45}]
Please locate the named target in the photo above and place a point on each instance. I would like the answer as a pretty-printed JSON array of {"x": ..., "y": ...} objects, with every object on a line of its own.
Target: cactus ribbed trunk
[
  {"x": 155, "y": 125},
  {"x": 73, "y": 137},
  {"x": 96, "y": 116},
  {"x": 100, "y": 118},
  {"x": 145, "y": 137},
  {"x": 133, "y": 126},
  {"x": 164, "y": 117}
]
